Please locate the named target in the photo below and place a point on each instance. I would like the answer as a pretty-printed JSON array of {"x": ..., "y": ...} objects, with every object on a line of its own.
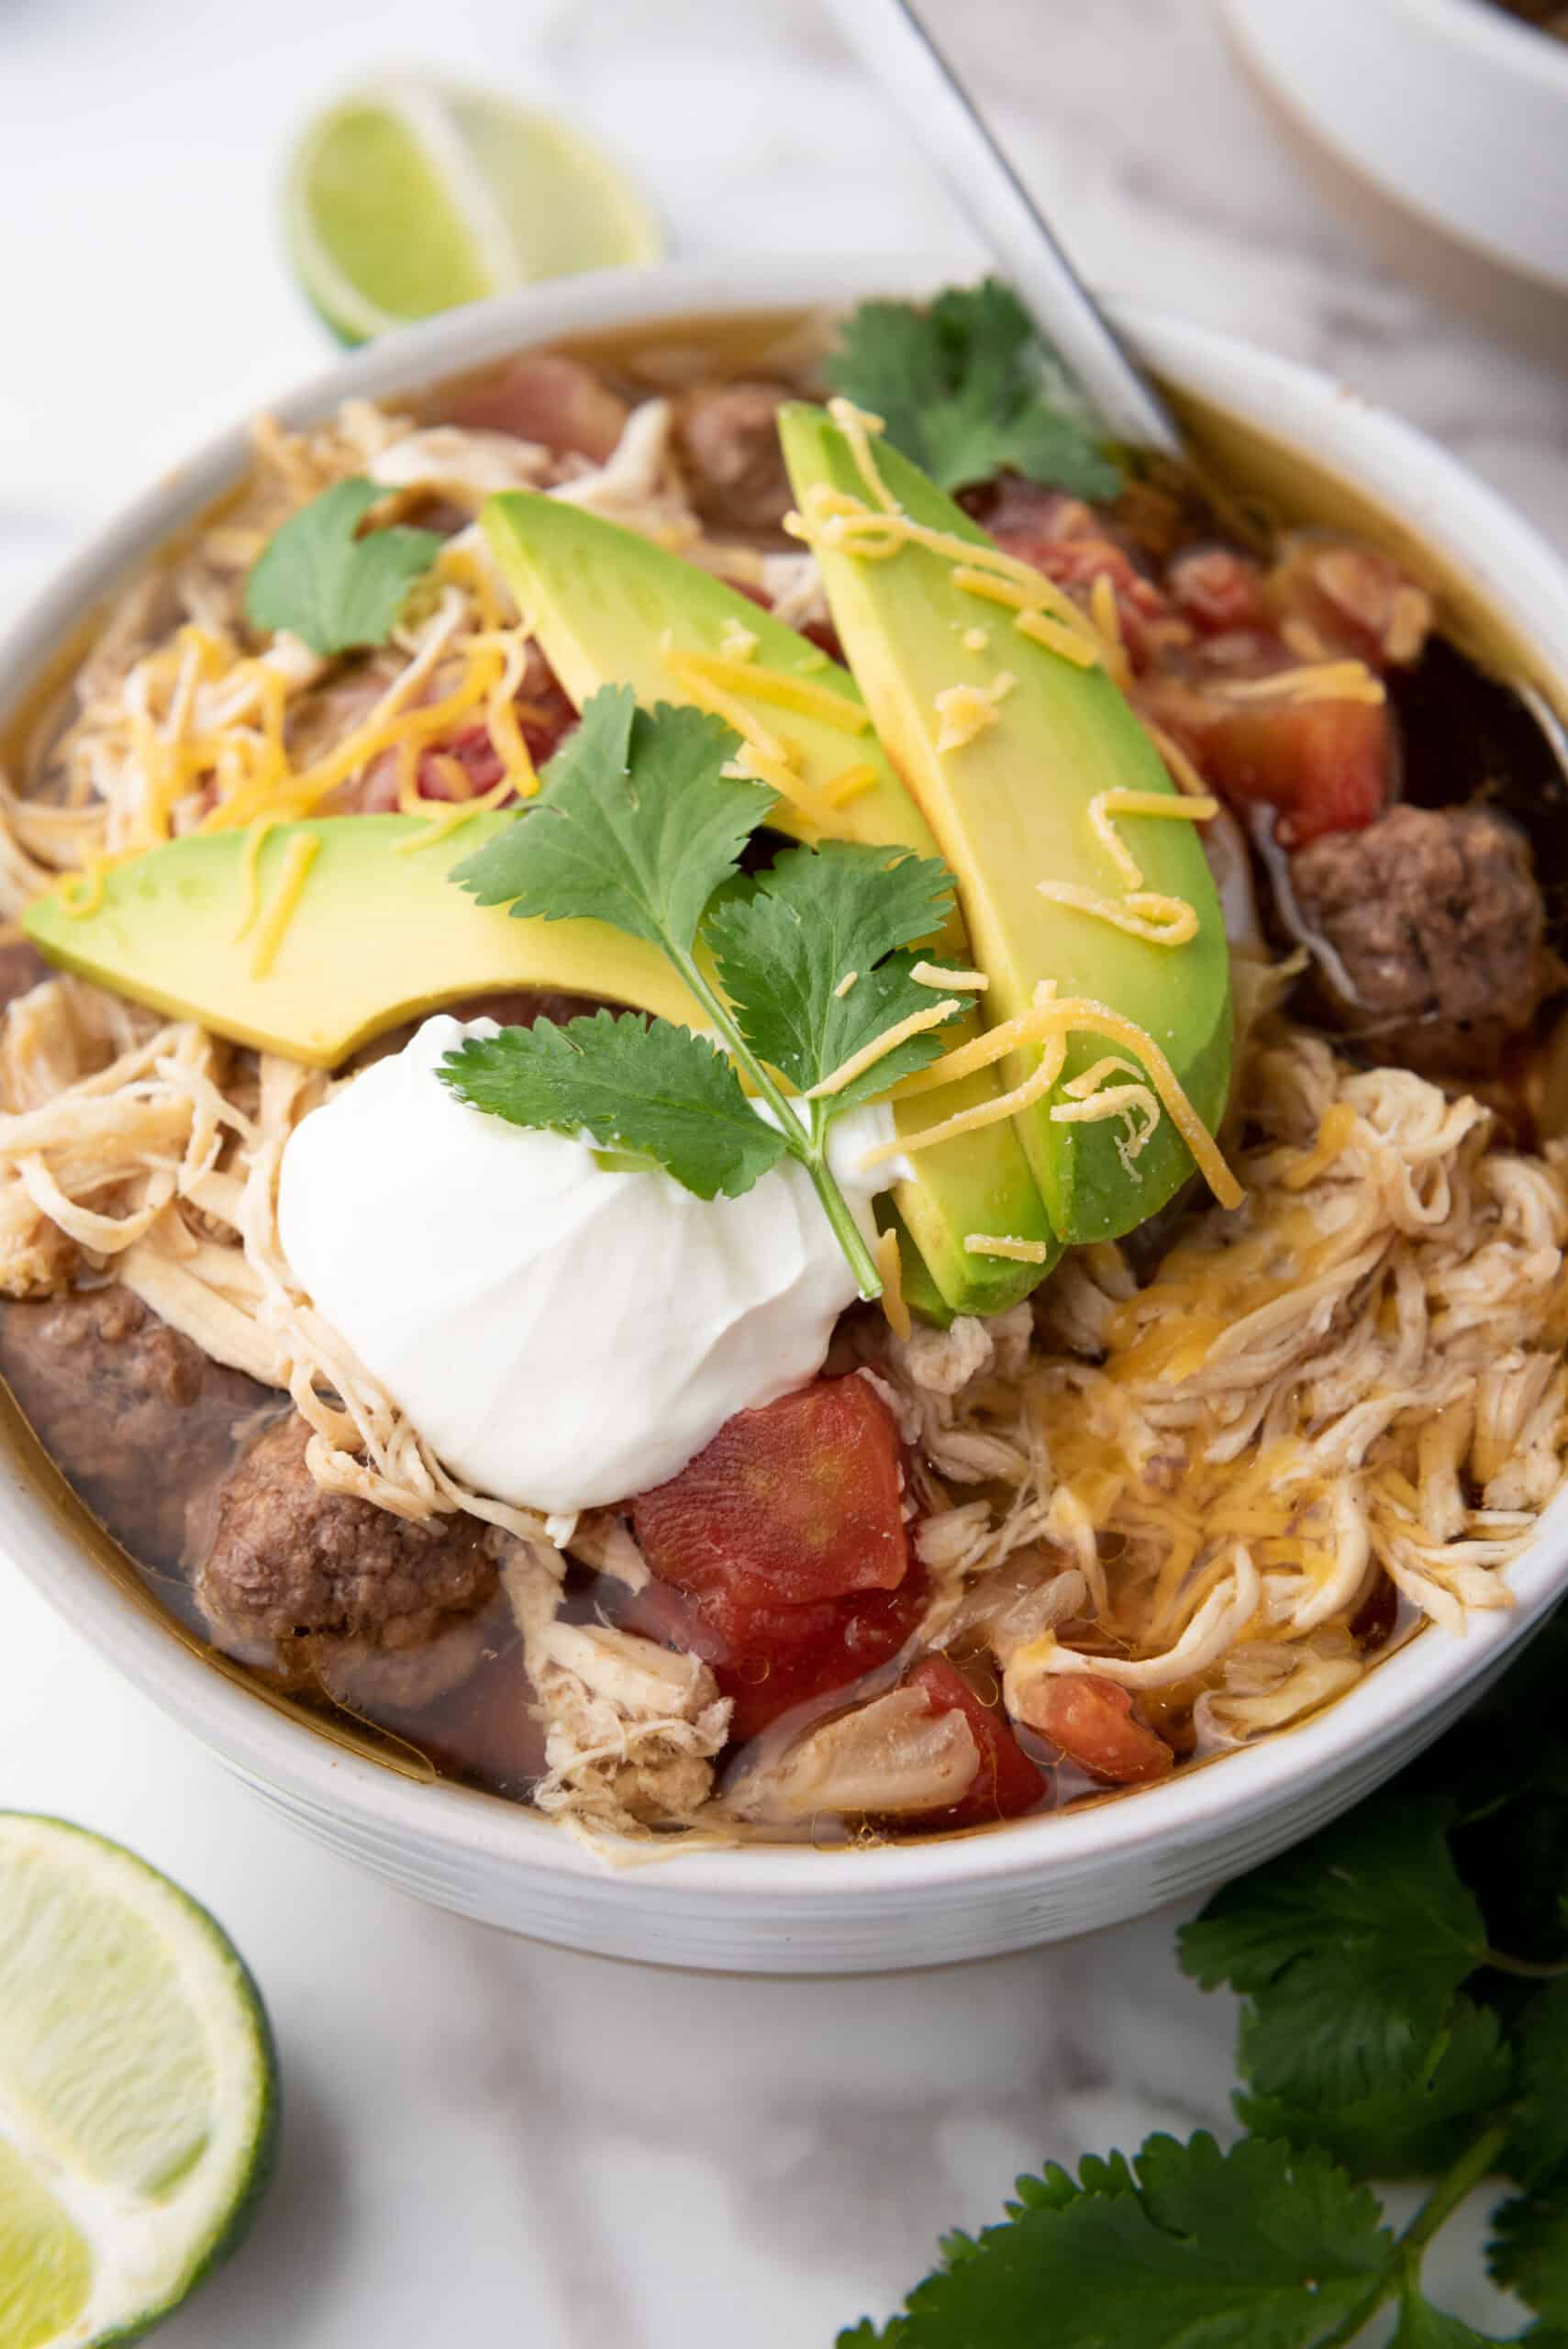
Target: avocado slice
[
  {"x": 609, "y": 607},
  {"x": 378, "y": 934},
  {"x": 1010, "y": 807}
]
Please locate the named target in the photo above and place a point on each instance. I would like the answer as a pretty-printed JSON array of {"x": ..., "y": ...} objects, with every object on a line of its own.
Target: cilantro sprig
[
  {"x": 641, "y": 824},
  {"x": 317, "y": 578},
  {"x": 1405, "y": 1978},
  {"x": 967, "y": 389}
]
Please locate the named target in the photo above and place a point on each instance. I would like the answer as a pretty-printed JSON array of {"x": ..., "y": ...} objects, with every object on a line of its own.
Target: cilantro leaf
[
  {"x": 1538, "y": 2139},
  {"x": 637, "y": 1084},
  {"x": 1414, "y": 2130},
  {"x": 1508, "y": 1772},
  {"x": 1352, "y": 1950},
  {"x": 1187, "y": 2248},
  {"x": 1421, "y": 2326},
  {"x": 1529, "y": 2251},
  {"x": 967, "y": 389},
  {"x": 784, "y": 946},
  {"x": 323, "y": 583},
  {"x": 637, "y": 824}
]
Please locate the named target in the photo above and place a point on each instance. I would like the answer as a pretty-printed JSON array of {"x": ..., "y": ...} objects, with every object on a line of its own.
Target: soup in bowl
[{"x": 755, "y": 1120}]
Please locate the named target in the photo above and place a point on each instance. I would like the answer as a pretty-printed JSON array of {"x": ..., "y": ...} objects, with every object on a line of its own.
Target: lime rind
[
  {"x": 411, "y": 197},
  {"x": 149, "y": 2250}
]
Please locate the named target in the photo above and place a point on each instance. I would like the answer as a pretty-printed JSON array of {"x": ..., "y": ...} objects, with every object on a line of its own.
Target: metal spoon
[{"x": 903, "y": 60}]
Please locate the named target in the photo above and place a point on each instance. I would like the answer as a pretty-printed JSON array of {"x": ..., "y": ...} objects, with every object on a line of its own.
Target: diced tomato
[
  {"x": 826, "y": 638},
  {"x": 1219, "y": 590},
  {"x": 545, "y": 397},
  {"x": 544, "y": 714},
  {"x": 801, "y": 1500},
  {"x": 1006, "y": 1782},
  {"x": 1325, "y": 765},
  {"x": 1073, "y": 546},
  {"x": 1092, "y": 1720},
  {"x": 1025, "y": 516},
  {"x": 1355, "y": 599},
  {"x": 475, "y": 752},
  {"x": 768, "y": 1659}
]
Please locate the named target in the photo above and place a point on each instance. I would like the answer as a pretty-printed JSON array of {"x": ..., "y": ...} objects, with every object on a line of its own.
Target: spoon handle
[{"x": 904, "y": 61}]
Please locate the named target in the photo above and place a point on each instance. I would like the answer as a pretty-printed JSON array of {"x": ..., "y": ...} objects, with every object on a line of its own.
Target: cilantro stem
[
  {"x": 1529, "y": 1969},
  {"x": 1475, "y": 2164},
  {"x": 805, "y": 1143}
]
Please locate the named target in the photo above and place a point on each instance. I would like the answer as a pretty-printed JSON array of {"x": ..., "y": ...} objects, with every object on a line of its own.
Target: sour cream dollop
[{"x": 561, "y": 1334}]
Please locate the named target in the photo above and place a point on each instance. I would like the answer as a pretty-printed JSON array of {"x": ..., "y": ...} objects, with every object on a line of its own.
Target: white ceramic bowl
[
  {"x": 794, "y": 1909},
  {"x": 1432, "y": 120}
]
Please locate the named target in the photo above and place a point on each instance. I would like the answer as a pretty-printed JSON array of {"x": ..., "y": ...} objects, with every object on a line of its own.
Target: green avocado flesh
[
  {"x": 607, "y": 608},
  {"x": 379, "y": 934},
  {"x": 1010, "y": 809}
]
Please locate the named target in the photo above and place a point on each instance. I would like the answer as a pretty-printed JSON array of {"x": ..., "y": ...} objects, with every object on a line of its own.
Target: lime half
[
  {"x": 412, "y": 196},
  {"x": 138, "y": 2089}
]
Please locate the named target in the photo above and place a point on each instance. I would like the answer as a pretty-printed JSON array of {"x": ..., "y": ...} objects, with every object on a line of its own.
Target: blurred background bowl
[{"x": 1442, "y": 128}]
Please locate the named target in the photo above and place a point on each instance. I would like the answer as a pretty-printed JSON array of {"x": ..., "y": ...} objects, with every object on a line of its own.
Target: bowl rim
[
  {"x": 1489, "y": 31},
  {"x": 1415, "y": 478}
]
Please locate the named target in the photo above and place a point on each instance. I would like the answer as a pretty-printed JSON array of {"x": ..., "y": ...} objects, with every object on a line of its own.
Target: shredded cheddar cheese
[
  {"x": 1021, "y": 1251},
  {"x": 859, "y": 428},
  {"x": 251, "y": 872},
  {"x": 736, "y": 643},
  {"x": 1134, "y": 1104},
  {"x": 931, "y": 975},
  {"x": 1049, "y": 1022},
  {"x": 443, "y": 820},
  {"x": 1152, "y": 915},
  {"x": 890, "y": 1271},
  {"x": 850, "y": 784},
  {"x": 1065, "y": 642},
  {"x": 965, "y": 711},
  {"x": 1182, "y": 773},
  {"x": 1325, "y": 681},
  {"x": 986, "y": 1113},
  {"x": 81, "y": 894},
  {"x": 754, "y": 766},
  {"x": 1106, "y": 614},
  {"x": 917, "y": 1024},
  {"x": 298, "y": 857},
  {"x": 765, "y": 757},
  {"x": 776, "y": 685},
  {"x": 982, "y": 1052},
  {"x": 1148, "y": 914},
  {"x": 845, "y": 984},
  {"x": 999, "y": 578},
  {"x": 1107, "y": 806}
]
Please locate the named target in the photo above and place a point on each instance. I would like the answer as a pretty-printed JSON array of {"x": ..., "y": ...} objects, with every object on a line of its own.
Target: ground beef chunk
[
  {"x": 133, "y": 1413},
  {"x": 727, "y": 435},
  {"x": 278, "y": 1560},
  {"x": 1439, "y": 928}
]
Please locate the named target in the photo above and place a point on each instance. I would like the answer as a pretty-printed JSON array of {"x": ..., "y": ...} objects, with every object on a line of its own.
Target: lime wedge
[
  {"x": 138, "y": 2089},
  {"x": 412, "y": 196}
]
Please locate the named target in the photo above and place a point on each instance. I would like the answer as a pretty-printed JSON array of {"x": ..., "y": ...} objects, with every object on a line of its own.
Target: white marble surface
[{"x": 485, "y": 2141}]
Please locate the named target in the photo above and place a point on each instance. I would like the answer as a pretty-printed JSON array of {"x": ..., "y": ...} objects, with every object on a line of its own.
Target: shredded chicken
[
  {"x": 176, "y": 720},
  {"x": 1191, "y": 1483},
  {"x": 893, "y": 1757},
  {"x": 1360, "y": 1369},
  {"x": 631, "y": 1729}
]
